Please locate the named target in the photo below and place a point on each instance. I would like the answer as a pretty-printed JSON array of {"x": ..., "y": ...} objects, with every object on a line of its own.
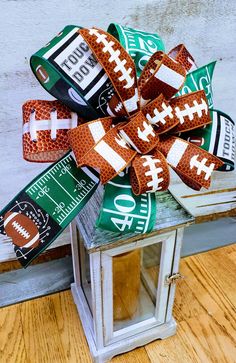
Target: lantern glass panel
[
  {"x": 85, "y": 270},
  {"x": 135, "y": 283}
]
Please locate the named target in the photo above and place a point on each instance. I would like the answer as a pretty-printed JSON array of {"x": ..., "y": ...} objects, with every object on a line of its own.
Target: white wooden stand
[
  {"x": 104, "y": 354},
  {"x": 93, "y": 251}
]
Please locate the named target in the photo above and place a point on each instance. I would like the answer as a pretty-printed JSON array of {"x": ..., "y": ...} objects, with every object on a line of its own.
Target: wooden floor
[{"x": 48, "y": 329}]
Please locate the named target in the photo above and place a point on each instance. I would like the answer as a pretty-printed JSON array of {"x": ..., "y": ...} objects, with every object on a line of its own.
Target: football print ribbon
[
  {"x": 43, "y": 209},
  {"x": 127, "y": 128}
]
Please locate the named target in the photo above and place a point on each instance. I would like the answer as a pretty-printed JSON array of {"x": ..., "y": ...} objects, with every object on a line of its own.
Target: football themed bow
[{"x": 123, "y": 130}]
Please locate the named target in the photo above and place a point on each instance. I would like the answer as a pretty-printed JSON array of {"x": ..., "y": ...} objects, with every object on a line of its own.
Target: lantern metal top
[{"x": 170, "y": 215}]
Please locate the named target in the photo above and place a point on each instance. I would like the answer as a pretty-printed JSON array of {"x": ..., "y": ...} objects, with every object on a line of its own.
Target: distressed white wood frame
[
  {"x": 174, "y": 270},
  {"x": 105, "y": 353},
  {"x": 92, "y": 313},
  {"x": 167, "y": 250}
]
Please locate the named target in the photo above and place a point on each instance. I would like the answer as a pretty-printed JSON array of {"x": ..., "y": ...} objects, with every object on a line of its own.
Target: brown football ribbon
[
  {"x": 144, "y": 114},
  {"x": 45, "y": 127}
]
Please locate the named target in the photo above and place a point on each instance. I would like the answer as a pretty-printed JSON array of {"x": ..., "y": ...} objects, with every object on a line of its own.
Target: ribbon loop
[
  {"x": 149, "y": 173},
  {"x": 45, "y": 128},
  {"x": 84, "y": 137},
  {"x": 110, "y": 155},
  {"x": 160, "y": 114},
  {"x": 139, "y": 44},
  {"x": 117, "y": 63},
  {"x": 191, "y": 111},
  {"x": 191, "y": 161},
  {"x": 181, "y": 55},
  {"x": 163, "y": 75}
]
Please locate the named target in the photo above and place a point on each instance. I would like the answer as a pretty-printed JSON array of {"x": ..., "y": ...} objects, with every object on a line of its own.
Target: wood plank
[
  {"x": 205, "y": 311},
  {"x": 70, "y": 329},
  {"x": 209, "y": 287},
  {"x": 41, "y": 332},
  {"x": 12, "y": 345},
  {"x": 38, "y": 280},
  {"x": 217, "y": 202},
  {"x": 138, "y": 355},
  {"x": 197, "y": 340}
]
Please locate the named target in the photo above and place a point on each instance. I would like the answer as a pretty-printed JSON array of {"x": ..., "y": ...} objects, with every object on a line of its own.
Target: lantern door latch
[{"x": 172, "y": 279}]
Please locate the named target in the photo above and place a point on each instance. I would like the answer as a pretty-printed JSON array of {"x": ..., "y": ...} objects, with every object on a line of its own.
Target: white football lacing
[
  {"x": 52, "y": 124},
  {"x": 119, "y": 107},
  {"x": 153, "y": 172},
  {"x": 114, "y": 57},
  {"x": 22, "y": 231},
  {"x": 160, "y": 116},
  {"x": 148, "y": 130},
  {"x": 191, "y": 110},
  {"x": 201, "y": 166}
]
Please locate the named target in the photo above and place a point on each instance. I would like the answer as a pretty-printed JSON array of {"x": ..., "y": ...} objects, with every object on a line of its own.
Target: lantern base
[{"x": 105, "y": 353}]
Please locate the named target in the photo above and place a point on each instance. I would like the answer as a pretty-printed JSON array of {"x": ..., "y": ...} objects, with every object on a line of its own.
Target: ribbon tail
[
  {"x": 187, "y": 181},
  {"x": 124, "y": 212},
  {"x": 39, "y": 213},
  {"x": 149, "y": 173}
]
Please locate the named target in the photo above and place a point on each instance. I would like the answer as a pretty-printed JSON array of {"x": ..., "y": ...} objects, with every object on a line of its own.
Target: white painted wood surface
[{"x": 207, "y": 28}]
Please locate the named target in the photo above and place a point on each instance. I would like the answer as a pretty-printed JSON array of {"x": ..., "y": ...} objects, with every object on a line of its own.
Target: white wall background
[{"x": 208, "y": 28}]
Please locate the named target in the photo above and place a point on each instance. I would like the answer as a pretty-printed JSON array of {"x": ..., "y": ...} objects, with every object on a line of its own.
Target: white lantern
[{"x": 123, "y": 285}]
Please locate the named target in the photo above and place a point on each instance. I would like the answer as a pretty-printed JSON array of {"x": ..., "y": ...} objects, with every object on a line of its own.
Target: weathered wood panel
[
  {"x": 27, "y": 284},
  {"x": 207, "y": 28}
]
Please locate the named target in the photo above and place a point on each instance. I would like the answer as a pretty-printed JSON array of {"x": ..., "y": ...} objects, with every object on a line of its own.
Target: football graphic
[
  {"x": 197, "y": 140},
  {"x": 21, "y": 229},
  {"x": 42, "y": 75},
  {"x": 115, "y": 107}
]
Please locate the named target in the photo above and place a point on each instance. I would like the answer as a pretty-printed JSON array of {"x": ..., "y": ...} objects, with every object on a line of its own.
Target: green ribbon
[
  {"x": 50, "y": 201},
  {"x": 200, "y": 78},
  {"x": 139, "y": 44},
  {"x": 58, "y": 66},
  {"x": 122, "y": 211}
]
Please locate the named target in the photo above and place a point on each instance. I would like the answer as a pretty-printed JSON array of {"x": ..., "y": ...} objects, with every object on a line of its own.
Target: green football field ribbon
[
  {"x": 139, "y": 44},
  {"x": 200, "y": 78},
  {"x": 218, "y": 138},
  {"x": 50, "y": 201},
  {"x": 122, "y": 211}
]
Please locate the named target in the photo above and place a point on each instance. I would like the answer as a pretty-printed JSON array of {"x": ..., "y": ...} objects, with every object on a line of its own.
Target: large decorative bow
[
  {"x": 117, "y": 121},
  {"x": 145, "y": 120}
]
